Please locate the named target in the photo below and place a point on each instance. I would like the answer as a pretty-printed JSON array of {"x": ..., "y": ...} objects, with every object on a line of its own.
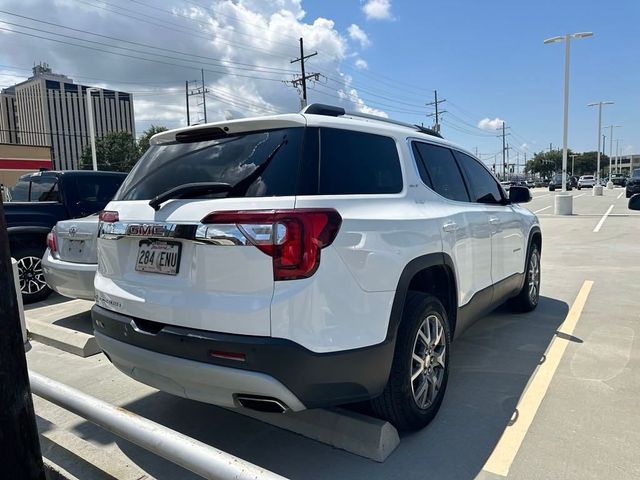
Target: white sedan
[
  {"x": 586, "y": 181},
  {"x": 71, "y": 258}
]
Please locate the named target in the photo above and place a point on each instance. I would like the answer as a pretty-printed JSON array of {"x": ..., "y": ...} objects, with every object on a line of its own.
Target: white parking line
[
  {"x": 578, "y": 196},
  {"x": 507, "y": 447},
  {"x": 604, "y": 217},
  {"x": 542, "y": 209},
  {"x": 541, "y": 196},
  {"x": 621, "y": 193}
]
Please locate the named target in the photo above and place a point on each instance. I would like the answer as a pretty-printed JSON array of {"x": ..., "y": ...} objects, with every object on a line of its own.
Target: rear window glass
[
  {"x": 44, "y": 189},
  {"x": 357, "y": 163},
  {"x": 19, "y": 192},
  {"x": 96, "y": 188},
  {"x": 226, "y": 160}
]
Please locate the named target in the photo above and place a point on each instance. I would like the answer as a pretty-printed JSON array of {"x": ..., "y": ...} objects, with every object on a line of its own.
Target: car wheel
[
  {"x": 420, "y": 368},
  {"x": 552, "y": 189},
  {"x": 30, "y": 275},
  {"x": 579, "y": 187},
  {"x": 627, "y": 194},
  {"x": 529, "y": 296}
]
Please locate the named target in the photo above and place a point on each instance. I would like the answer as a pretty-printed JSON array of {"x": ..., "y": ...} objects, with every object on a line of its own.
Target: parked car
[
  {"x": 586, "y": 181},
  {"x": 574, "y": 181},
  {"x": 556, "y": 182},
  {"x": 619, "y": 179},
  {"x": 317, "y": 261},
  {"x": 70, "y": 261},
  {"x": 634, "y": 202},
  {"x": 633, "y": 183},
  {"x": 37, "y": 202}
]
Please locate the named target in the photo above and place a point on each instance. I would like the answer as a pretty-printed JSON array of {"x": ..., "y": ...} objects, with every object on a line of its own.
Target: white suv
[{"x": 307, "y": 260}]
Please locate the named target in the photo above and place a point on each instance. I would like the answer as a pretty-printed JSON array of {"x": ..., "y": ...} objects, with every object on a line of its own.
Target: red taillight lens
[
  {"x": 109, "y": 216},
  {"x": 293, "y": 238},
  {"x": 52, "y": 241}
]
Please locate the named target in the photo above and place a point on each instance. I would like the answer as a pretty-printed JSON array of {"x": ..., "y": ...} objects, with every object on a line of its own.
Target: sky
[{"x": 385, "y": 57}]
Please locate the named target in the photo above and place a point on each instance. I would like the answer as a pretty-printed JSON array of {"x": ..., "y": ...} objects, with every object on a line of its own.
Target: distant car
[
  {"x": 556, "y": 182},
  {"x": 619, "y": 179},
  {"x": 586, "y": 181},
  {"x": 506, "y": 184},
  {"x": 71, "y": 258},
  {"x": 574, "y": 181},
  {"x": 530, "y": 183},
  {"x": 633, "y": 183}
]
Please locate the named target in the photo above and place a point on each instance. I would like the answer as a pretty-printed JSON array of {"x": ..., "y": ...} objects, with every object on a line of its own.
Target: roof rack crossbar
[{"x": 320, "y": 109}]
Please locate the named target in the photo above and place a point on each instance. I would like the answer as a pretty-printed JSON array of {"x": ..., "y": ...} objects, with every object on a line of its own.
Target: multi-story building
[{"x": 50, "y": 109}]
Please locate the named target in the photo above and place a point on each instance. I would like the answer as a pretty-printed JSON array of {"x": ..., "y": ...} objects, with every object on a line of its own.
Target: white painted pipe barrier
[
  {"x": 202, "y": 459},
  {"x": 16, "y": 282}
]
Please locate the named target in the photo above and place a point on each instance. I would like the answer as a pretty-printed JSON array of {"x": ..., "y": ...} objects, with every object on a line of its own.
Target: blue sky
[{"x": 486, "y": 58}]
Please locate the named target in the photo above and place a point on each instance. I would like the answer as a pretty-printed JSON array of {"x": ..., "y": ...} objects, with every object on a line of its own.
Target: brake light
[
  {"x": 109, "y": 216},
  {"x": 292, "y": 238},
  {"x": 52, "y": 241}
]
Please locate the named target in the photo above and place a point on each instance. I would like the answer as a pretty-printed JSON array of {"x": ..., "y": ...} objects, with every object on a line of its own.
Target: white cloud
[
  {"x": 361, "y": 64},
  {"x": 358, "y": 35},
  {"x": 244, "y": 46},
  {"x": 377, "y": 9},
  {"x": 488, "y": 124},
  {"x": 524, "y": 146}
]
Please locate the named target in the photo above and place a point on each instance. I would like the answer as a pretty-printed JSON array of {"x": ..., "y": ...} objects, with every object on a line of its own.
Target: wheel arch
[{"x": 20, "y": 237}]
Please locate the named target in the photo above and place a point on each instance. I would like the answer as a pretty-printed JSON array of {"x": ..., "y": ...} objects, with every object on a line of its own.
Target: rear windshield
[
  {"x": 636, "y": 173},
  {"x": 226, "y": 160},
  {"x": 301, "y": 161}
]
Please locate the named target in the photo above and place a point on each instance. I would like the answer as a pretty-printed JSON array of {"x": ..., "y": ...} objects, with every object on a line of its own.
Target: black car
[
  {"x": 37, "y": 202},
  {"x": 556, "y": 182},
  {"x": 618, "y": 179},
  {"x": 633, "y": 183}
]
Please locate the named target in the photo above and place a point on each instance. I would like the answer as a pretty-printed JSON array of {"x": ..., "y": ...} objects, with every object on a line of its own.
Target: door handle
[
  {"x": 450, "y": 227},
  {"x": 494, "y": 220}
]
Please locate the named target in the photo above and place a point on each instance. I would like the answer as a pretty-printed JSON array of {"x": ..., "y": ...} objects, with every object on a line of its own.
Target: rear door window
[
  {"x": 20, "y": 191},
  {"x": 354, "y": 163},
  {"x": 44, "y": 189},
  {"x": 269, "y": 159},
  {"x": 441, "y": 170}
]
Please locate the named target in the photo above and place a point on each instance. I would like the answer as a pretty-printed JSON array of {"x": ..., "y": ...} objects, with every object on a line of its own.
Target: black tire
[
  {"x": 397, "y": 403},
  {"x": 527, "y": 300},
  {"x": 552, "y": 189},
  {"x": 32, "y": 283},
  {"x": 579, "y": 187},
  {"x": 627, "y": 194}
]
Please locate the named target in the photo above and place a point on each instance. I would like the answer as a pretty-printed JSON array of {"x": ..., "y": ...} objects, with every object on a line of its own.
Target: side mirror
[
  {"x": 634, "y": 202},
  {"x": 519, "y": 194}
]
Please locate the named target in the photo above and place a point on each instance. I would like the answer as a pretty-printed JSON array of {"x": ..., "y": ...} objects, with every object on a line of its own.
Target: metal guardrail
[{"x": 199, "y": 458}]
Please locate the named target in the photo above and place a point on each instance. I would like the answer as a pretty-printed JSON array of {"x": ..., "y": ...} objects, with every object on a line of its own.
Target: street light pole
[
  {"x": 92, "y": 128},
  {"x": 573, "y": 160},
  {"x": 611, "y": 127},
  {"x": 598, "y": 180},
  {"x": 564, "y": 202}
]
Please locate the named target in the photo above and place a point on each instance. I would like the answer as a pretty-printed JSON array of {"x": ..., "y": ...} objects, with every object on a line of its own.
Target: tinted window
[
  {"x": 357, "y": 163},
  {"x": 484, "y": 188},
  {"x": 227, "y": 160},
  {"x": 442, "y": 171},
  {"x": 636, "y": 173},
  {"x": 19, "y": 192},
  {"x": 44, "y": 189},
  {"x": 96, "y": 188}
]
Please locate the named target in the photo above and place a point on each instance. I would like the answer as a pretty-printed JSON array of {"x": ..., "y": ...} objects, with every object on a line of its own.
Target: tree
[
  {"x": 586, "y": 164},
  {"x": 116, "y": 151},
  {"x": 143, "y": 142},
  {"x": 545, "y": 163}
]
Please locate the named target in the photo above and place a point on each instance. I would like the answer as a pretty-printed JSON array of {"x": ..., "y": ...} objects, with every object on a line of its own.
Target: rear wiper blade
[{"x": 189, "y": 190}]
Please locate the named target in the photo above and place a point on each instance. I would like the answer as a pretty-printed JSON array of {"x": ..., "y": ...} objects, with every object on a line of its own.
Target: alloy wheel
[
  {"x": 428, "y": 361},
  {"x": 31, "y": 275},
  {"x": 534, "y": 276}
]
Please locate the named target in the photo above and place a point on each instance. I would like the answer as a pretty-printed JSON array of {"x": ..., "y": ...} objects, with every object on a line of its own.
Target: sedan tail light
[
  {"x": 52, "y": 242},
  {"x": 109, "y": 216},
  {"x": 292, "y": 238}
]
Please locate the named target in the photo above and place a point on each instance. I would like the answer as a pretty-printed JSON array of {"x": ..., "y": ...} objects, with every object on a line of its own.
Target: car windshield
[{"x": 636, "y": 173}]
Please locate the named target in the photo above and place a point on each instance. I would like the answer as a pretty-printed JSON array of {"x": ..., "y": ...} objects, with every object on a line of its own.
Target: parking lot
[{"x": 549, "y": 394}]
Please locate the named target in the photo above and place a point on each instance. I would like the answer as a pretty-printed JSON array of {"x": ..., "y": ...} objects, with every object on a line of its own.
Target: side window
[
  {"x": 442, "y": 171},
  {"x": 357, "y": 163},
  {"x": 44, "y": 189},
  {"x": 19, "y": 192},
  {"x": 484, "y": 188},
  {"x": 96, "y": 188}
]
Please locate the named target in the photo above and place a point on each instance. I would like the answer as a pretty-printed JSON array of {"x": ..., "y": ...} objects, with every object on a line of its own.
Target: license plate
[
  {"x": 158, "y": 256},
  {"x": 74, "y": 247}
]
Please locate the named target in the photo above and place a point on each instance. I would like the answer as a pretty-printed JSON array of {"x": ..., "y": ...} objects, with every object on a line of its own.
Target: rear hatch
[
  {"x": 164, "y": 262},
  {"x": 76, "y": 239}
]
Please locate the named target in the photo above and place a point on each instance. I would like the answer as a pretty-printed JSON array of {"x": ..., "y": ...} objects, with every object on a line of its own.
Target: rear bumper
[
  {"x": 178, "y": 360},
  {"x": 633, "y": 189},
  {"x": 73, "y": 280}
]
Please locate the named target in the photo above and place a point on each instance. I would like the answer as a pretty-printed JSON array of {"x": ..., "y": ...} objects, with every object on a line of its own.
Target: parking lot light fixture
[
  {"x": 564, "y": 205},
  {"x": 599, "y": 104}
]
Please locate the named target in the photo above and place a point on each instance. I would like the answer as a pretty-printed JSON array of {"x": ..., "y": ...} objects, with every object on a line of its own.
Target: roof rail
[{"x": 333, "y": 111}]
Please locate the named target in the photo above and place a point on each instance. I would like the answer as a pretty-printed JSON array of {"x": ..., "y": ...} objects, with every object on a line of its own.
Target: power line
[
  {"x": 302, "y": 79},
  {"x": 435, "y": 103}
]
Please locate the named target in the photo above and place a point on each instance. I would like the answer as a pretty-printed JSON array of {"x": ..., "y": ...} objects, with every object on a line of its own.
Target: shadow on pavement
[
  {"x": 53, "y": 299},
  {"x": 80, "y": 322},
  {"x": 491, "y": 365}
]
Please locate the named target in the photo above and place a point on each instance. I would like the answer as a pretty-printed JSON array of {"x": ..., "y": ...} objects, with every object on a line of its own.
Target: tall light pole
[
  {"x": 618, "y": 152},
  {"x": 611, "y": 127},
  {"x": 564, "y": 202},
  {"x": 573, "y": 160},
  {"x": 598, "y": 182},
  {"x": 92, "y": 127}
]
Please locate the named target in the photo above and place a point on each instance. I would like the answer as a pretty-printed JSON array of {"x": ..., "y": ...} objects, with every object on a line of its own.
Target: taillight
[
  {"x": 109, "y": 216},
  {"x": 52, "y": 242},
  {"x": 292, "y": 238}
]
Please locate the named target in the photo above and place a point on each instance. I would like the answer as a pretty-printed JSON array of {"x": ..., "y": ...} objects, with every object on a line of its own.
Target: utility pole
[
  {"x": 19, "y": 445},
  {"x": 435, "y": 103},
  {"x": 190, "y": 92},
  {"x": 186, "y": 90},
  {"x": 304, "y": 77},
  {"x": 505, "y": 149}
]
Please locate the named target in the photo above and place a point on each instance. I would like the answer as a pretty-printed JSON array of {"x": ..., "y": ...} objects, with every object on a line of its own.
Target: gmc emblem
[{"x": 146, "y": 230}]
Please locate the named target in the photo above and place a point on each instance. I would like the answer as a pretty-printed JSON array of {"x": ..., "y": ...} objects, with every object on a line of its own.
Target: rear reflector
[
  {"x": 109, "y": 216},
  {"x": 292, "y": 238},
  {"x": 240, "y": 357}
]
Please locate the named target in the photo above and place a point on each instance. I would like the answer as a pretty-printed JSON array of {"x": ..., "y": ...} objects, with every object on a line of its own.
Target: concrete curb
[
  {"x": 350, "y": 431},
  {"x": 68, "y": 340}
]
